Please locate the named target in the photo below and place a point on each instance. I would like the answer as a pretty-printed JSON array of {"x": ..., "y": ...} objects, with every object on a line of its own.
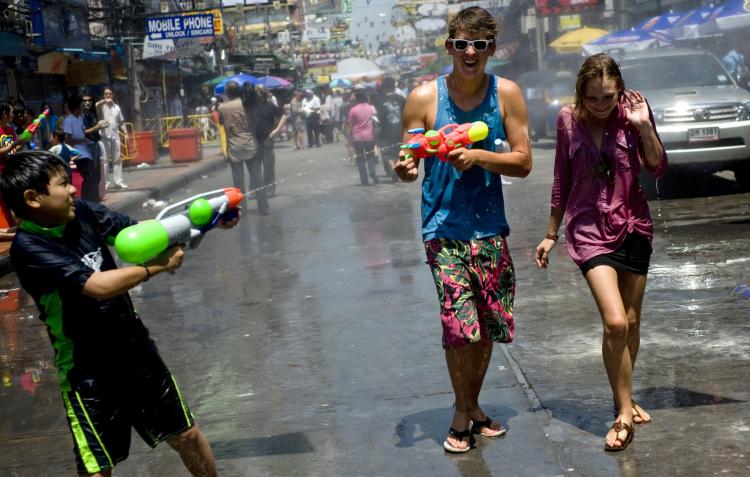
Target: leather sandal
[
  {"x": 476, "y": 427},
  {"x": 460, "y": 435},
  {"x": 618, "y": 427}
]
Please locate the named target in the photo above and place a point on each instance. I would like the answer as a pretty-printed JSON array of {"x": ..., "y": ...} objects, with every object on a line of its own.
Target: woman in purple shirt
[{"x": 603, "y": 142}]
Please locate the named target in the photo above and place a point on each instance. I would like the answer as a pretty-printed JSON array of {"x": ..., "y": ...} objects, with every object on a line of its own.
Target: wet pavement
[{"x": 307, "y": 342}]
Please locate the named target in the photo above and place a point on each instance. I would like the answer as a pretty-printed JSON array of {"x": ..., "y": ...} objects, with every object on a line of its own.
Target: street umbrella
[
  {"x": 240, "y": 79},
  {"x": 272, "y": 82},
  {"x": 631, "y": 39},
  {"x": 340, "y": 83},
  {"x": 573, "y": 41},
  {"x": 696, "y": 23},
  {"x": 733, "y": 15}
]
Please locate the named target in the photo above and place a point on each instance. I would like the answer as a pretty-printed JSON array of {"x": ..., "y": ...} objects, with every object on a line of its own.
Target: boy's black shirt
[{"x": 96, "y": 335}]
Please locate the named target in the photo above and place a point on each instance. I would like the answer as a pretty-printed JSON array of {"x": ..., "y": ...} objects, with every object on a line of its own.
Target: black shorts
[
  {"x": 102, "y": 409},
  {"x": 632, "y": 256}
]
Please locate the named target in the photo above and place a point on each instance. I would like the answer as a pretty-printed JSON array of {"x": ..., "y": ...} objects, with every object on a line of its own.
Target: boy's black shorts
[{"x": 101, "y": 410}]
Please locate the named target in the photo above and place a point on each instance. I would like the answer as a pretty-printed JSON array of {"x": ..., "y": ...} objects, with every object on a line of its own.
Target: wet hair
[
  {"x": 29, "y": 170},
  {"x": 73, "y": 102},
  {"x": 232, "y": 89},
  {"x": 474, "y": 21},
  {"x": 5, "y": 108},
  {"x": 596, "y": 67},
  {"x": 360, "y": 95}
]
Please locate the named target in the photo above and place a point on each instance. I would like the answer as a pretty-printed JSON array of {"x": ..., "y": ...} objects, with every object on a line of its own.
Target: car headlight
[{"x": 743, "y": 112}]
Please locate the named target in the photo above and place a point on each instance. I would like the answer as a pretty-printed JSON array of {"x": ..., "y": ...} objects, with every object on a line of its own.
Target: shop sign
[
  {"x": 82, "y": 73},
  {"x": 191, "y": 25},
  {"x": 62, "y": 24},
  {"x": 171, "y": 49}
]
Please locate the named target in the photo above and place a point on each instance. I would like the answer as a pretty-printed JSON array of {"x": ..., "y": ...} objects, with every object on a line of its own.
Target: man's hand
[
  {"x": 406, "y": 168},
  {"x": 462, "y": 158}
]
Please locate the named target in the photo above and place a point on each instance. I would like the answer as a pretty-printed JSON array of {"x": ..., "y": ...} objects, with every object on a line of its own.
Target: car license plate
[{"x": 703, "y": 134}]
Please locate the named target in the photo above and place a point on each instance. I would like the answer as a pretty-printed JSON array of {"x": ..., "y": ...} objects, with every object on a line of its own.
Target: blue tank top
[{"x": 468, "y": 205}]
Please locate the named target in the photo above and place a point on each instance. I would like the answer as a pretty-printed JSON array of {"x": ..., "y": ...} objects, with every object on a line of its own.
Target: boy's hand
[
  {"x": 170, "y": 259},
  {"x": 228, "y": 224},
  {"x": 406, "y": 168}
]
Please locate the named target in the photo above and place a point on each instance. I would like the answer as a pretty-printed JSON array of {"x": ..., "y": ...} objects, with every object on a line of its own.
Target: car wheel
[{"x": 742, "y": 175}]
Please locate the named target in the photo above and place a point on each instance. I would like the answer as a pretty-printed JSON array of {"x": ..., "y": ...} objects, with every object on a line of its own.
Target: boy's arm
[
  {"x": 415, "y": 116},
  {"x": 111, "y": 283}
]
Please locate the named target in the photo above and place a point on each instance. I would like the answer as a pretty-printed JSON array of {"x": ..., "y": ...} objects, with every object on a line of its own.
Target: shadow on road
[
  {"x": 590, "y": 415},
  {"x": 434, "y": 424},
  {"x": 282, "y": 444}
]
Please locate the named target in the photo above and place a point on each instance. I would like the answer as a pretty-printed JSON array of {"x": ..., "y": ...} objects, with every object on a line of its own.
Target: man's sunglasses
[{"x": 462, "y": 45}]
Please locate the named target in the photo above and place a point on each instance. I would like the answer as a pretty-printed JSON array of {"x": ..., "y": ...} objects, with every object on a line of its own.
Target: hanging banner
[
  {"x": 546, "y": 8},
  {"x": 171, "y": 49}
]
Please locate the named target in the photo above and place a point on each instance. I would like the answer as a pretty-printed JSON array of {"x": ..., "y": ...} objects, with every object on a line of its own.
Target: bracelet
[
  {"x": 148, "y": 273},
  {"x": 552, "y": 237}
]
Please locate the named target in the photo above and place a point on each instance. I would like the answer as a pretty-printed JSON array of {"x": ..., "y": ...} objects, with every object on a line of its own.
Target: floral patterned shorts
[{"x": 476, "y": 284}]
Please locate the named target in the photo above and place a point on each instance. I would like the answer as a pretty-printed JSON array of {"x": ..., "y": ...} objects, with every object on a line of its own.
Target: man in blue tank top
[{"x": 463, "y": 215}]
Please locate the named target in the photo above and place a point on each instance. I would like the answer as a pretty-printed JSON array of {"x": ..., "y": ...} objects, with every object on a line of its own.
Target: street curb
[
  {"x": 133, "y": 202},
  {"x": 127, "y": 205}
]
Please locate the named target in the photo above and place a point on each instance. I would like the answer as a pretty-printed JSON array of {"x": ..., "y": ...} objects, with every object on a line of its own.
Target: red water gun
[
  {"x": 31, "y": 128},
  {"x": 439, "y": 143}
]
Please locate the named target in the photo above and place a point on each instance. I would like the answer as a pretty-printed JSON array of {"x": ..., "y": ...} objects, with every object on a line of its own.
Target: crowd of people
[
  {"x": 465, "y": 231},
  {"x": 86, "y": 135}
]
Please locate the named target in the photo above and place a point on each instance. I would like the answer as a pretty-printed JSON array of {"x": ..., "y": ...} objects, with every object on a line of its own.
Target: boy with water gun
[{"x": 112, "y": 377}]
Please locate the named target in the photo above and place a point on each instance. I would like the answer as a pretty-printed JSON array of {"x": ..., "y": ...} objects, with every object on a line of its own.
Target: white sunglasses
[{"x": 462, "y": 45}]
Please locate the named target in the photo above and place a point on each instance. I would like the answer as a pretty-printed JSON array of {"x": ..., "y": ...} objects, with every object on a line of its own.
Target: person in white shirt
[
  {"x": 311, "y": 109},
  {"x": 110, "y": 112}
]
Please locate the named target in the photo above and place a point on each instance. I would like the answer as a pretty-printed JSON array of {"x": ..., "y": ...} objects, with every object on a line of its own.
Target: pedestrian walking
[
  {"x": 269, "y": 121},
  {"x": 111, "y": 375},
  {"x": 360, "y": 130},
  {"x": 390, "y": 114},
  {"x": 603, "y": 141},
  {"x": 75, "y": 137},
  {"x": 311, "y": 109},
  {"x": 464, "y": 226},
  {"x": 111, "y": 114},
  {"x": 297, "y": 120},
  {"x": 242, "y": 146},
  {"x": 326, "y": 114},
  {"x": 93, "y": 126}
]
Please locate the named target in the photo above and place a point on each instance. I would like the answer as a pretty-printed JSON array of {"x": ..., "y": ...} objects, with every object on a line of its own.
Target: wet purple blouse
[{"x": 599, "y": 214}]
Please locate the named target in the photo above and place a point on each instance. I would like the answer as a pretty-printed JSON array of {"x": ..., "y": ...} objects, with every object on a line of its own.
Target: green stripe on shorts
[{"x": 87, "y": 455}]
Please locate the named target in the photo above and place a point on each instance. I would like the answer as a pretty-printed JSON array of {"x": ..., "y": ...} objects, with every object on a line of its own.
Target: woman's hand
[
  {"x": 542, "y": 252},
  {"x": 636, "y": 108}
]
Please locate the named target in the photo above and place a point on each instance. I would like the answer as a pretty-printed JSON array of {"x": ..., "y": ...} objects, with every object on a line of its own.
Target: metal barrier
[
  {"x": 209, "y": 130},
  {"x": 128, "y": 146}
]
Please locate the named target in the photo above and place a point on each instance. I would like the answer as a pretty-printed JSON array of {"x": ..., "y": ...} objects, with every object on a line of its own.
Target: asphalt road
[{"x": 307, "y": 342}]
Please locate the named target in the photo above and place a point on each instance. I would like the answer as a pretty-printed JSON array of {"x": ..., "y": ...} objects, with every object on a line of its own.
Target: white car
[{"x": 702, "y": 115}]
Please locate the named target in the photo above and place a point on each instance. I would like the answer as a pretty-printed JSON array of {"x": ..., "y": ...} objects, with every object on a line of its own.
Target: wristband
[
  {"x": 148, "y": 273},
  {"x": 552, "y": 237}
]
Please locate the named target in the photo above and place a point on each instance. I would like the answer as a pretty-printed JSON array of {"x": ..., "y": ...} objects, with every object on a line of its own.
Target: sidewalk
[{"x": 152, "y": 182}]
